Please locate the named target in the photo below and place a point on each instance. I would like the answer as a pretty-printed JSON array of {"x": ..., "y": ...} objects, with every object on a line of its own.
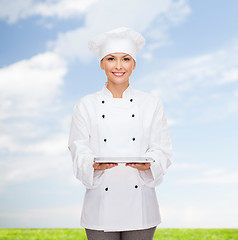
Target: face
[{"x": 118, "y": 67}]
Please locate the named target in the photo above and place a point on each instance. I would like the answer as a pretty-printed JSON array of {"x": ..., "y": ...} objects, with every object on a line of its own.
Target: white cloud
[
  {"x": 61, "y": 8},
  {"x": 52, "y": 146},
  {"x": 7, "y": 142},
  {"x": 231, "y": 75},
  {"x": 73, "y": 181},
  {"x": 184, "y": 75},
  {"x": 29, "y": 151},
  {"x": 193, "y": 216},
  {"x": 12, "y": 130},
  {"x": 12, "y": 11},
  {"x": 172, "y": 122},
  {"x": 194, "y": 82},
  {"x": 215, "y": 171},
  {"x": 148, "y": 56},
  {"x": 35, "y": 165},
  {"x": 73, "y": 44},
  {"x": 213, "y": 176},
  {"x": 153, "y": 20},
  {"x": 138, "y": 15},
  {"x": 178, "y": 11},
  {"x": 175, "y": 13},
  {"x": 28, "y": 86},
  {"x": 57, "y": 217},
  {"x": 186, "y": 166},
  {"x": 29, "y": 96}
]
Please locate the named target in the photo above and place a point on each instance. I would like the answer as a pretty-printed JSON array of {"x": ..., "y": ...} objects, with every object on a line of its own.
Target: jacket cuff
[
  {"x": 90, "y": 178},
  {"x": 97, "y": 174},
  {"x": 146, "y": 176},
  {"x": 153, "y": 176}
]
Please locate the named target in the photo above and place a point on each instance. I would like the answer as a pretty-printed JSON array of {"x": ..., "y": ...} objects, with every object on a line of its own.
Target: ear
[
  {"x": 101, "y": 64},
  {"x": 134, "y": 64}
]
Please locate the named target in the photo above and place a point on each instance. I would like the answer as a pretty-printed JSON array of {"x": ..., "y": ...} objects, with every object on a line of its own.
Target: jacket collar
[{"x": 125, "y": 95}]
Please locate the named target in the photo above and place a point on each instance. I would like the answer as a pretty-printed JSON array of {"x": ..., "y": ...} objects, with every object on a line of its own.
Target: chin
[{"x": 119, "y": 82}]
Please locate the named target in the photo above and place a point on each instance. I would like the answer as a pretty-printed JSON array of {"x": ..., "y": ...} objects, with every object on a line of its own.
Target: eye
[
  {"x": 110, "y": 59},
  {"x": 126, "y": 59}
]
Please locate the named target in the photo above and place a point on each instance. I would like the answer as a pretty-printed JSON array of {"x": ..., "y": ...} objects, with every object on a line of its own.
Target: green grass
[{"x": 79, "y": 234}]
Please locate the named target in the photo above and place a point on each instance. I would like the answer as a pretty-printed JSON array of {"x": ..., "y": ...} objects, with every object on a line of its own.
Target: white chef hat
[{"x": 119, "y": 40}]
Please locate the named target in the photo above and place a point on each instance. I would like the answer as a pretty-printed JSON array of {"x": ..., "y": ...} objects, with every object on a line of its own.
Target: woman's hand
[
  {"x": 139, "y": 166},
  {"x": 104, "y": 166}
]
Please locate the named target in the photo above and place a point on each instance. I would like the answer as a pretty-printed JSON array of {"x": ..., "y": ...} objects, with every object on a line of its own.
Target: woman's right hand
[{"x": 104, "y": 166}]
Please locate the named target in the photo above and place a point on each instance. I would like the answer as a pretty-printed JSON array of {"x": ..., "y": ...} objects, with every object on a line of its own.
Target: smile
[{"x": 118, "y": 74}]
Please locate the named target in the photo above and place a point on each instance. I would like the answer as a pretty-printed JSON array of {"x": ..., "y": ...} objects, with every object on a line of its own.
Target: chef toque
[{"x": 119, "y": 40}]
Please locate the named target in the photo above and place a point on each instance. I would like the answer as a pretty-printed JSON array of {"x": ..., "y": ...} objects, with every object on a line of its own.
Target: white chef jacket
[{"x": 121, "y": 198}]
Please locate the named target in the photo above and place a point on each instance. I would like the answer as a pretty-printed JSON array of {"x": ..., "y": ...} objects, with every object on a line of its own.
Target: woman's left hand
[{"x": 139, "y": 166}]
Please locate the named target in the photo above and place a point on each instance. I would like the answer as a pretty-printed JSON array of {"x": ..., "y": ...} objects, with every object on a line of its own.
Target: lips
[{"x": 118, "y": 74}]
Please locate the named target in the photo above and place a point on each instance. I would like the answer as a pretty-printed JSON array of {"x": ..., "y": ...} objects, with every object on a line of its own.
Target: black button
[
  {"x": 103, "y": 116},
  {"x": 106, "y": 189},
  {"x": 133, "y": 115},
  {"x": 102, "y": 101},
  {"x": 136, "y": 186},
  {"x": 105, "y": 139},
  {"x": 133, "y": 139},
  {"x": 131, "y": 99}
]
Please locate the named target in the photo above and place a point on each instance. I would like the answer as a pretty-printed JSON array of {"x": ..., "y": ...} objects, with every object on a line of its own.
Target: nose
[{"x": 118, "y": 64}]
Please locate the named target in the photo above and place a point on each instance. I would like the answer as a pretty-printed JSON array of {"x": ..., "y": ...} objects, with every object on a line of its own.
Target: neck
[{"x": 117, "y": 89}]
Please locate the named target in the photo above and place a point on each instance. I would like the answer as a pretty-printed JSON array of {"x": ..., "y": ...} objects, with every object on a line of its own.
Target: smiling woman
[
  {"x": 118, "y": 68},
  {"x": 118, "y": 121}
]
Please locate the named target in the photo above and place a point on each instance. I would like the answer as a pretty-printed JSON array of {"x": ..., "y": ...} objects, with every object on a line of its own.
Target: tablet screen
[{"x": 123, "y": 160}]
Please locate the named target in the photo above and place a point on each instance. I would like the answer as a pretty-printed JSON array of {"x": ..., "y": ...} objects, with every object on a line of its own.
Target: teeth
[{"x": 118, "y": 74}]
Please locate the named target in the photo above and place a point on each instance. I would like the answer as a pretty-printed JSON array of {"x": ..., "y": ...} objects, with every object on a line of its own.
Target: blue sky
[{"x": 189, "y": 61}]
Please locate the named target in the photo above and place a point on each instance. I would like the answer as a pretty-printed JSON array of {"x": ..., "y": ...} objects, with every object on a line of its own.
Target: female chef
[{"x": 119, "y": 121}]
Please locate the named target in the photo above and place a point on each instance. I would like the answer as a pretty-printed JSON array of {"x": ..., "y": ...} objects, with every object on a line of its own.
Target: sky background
[{"x": 190, "y": 62}]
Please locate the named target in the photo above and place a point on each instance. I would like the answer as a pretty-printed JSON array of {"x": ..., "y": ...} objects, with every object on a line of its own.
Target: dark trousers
[{"x": 145, "y": 234}]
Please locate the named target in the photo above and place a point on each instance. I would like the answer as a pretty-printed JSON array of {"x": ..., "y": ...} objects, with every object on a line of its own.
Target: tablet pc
[{"x": 123, "y": 160}]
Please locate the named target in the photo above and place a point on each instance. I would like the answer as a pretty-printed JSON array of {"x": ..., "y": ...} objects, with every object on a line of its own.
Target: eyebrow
[{"x": 116, "y": 56}]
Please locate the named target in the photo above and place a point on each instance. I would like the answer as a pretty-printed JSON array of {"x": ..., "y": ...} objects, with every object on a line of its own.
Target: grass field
[{"x": 160, "y": 234}]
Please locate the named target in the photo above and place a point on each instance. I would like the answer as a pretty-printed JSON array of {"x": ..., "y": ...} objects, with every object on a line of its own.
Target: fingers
[
  {"x": 139, "y": 166},
  {"x": 111, "y": 165},
  {"x": 103, "y": 166}
]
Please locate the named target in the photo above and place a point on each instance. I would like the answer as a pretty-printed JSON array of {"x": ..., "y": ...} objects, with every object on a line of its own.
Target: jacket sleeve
[
  {"x": 81, "y": 153},
  {"x": 159, "y": 149}
]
